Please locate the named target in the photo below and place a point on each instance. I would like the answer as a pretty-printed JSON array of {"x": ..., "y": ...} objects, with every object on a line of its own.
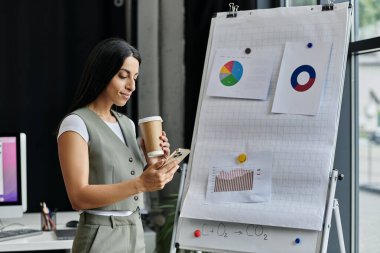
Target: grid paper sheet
[{"x": 303, "y": 146}]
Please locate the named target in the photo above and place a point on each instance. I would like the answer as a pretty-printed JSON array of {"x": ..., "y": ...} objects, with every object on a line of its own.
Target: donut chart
[
  {"x": 231, "y": 73},
  {"x": 303, "y": 87}
]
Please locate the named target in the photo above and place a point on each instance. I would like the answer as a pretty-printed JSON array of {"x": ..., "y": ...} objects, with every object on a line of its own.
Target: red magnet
[{"x": 197, "y": 233}]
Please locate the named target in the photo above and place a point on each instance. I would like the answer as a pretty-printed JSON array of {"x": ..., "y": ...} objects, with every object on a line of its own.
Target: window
[
  {"x": 366, "y": 56},
  {"x": 368, "y": 81},
  {"x": 368, "y": 19}
]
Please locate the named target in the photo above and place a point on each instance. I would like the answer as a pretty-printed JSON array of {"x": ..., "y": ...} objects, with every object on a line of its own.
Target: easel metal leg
[
  {"x": 332, "y": 205},
  {"x": 329, "y": 210},
  {"x": 339, "y": 226}
]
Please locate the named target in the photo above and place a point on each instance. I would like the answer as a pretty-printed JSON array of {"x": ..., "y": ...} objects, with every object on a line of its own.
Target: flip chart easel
[{"x": 303, "y": 146}]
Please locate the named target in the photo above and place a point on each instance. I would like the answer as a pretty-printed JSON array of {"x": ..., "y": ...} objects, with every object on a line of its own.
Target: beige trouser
[{"x": 109, "y": 234}]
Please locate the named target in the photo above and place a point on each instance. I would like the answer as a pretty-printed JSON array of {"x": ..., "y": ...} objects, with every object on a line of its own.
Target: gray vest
[{"x": 111, "y": 161}]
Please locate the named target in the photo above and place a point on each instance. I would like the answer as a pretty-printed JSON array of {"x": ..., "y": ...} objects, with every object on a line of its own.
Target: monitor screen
[{"x": 12, "y": 175}]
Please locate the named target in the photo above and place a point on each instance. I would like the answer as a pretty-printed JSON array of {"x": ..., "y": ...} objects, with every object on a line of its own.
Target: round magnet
[{"x": 242, "y": 158}]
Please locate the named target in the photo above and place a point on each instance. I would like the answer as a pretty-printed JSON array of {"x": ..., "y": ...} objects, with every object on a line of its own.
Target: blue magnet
[
  {"x": 309, "y": 45},
  {"x": 297, "y": 240}
]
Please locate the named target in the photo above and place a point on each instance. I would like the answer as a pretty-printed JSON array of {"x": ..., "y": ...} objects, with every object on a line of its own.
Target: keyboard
[
  {"x": 18, "y": 233},
  {"x": 65, "y": 234}
]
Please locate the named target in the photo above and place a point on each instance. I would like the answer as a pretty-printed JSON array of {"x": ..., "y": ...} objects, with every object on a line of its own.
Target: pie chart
[{"x": 231, "y": 72}]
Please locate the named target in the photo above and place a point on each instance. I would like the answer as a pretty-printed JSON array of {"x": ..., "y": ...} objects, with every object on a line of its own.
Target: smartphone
[{"x": 179, "y": 154}]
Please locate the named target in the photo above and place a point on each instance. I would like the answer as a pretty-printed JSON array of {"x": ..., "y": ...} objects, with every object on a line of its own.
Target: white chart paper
[
  {"x": 236, "y": 74},
  {"x": 302, "y": 77}
]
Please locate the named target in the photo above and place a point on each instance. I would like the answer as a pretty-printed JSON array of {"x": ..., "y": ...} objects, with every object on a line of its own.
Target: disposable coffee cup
[{"x": 151, "y": 130}]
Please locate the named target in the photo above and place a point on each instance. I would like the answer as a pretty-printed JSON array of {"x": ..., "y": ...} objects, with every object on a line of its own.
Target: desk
[{"x": 47, "y": 240}]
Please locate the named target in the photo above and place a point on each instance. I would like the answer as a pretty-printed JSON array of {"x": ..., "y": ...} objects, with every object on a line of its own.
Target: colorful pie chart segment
[{"x": 231, "y": 73}]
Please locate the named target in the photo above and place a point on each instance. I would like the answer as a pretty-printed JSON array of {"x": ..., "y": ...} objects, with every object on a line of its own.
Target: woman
[{"x": 99, "y": 156}]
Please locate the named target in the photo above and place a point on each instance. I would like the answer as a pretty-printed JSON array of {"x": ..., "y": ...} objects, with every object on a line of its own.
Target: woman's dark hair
[{"x": 104, "y": 61}]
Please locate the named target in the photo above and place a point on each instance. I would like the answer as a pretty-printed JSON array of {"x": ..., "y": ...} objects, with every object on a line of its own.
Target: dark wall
[{"x": 43, "y": 47}]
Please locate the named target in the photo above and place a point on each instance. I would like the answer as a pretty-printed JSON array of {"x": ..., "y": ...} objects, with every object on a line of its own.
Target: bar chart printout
[
  {"x": 235, "y": 180},
  {"x": 238, "y": 184}
]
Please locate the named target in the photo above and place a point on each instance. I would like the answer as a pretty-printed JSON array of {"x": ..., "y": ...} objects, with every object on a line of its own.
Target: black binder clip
[
  {"x": 232, "y": 13},
  {"x": 329, "y": 6}
]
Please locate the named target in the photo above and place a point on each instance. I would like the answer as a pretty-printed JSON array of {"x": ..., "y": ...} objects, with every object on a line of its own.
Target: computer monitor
[{"x": 12, "y": 175}]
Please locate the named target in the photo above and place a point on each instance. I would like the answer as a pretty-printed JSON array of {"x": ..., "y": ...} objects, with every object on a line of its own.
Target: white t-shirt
[{"x": 76, "y": 124}]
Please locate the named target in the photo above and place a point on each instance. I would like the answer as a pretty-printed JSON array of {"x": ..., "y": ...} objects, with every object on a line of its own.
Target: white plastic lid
[{"x": 147, "y": 119}]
